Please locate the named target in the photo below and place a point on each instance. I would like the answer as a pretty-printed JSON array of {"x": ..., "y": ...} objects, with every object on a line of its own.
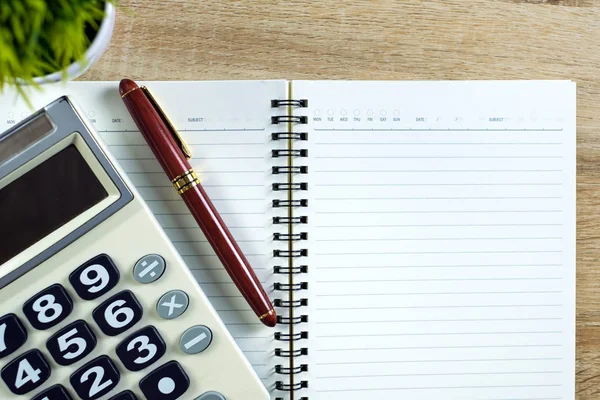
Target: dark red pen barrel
[
  {"x": 172, "y": 159},
  {"x": 226, "y": 249}
]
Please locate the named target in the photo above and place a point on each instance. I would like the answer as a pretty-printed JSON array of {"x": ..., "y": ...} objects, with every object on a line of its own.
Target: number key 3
[
  {"x": 48, "y": 307},
  {"x": 72, "y": 343},
  {"x": 141, "y": 349}
]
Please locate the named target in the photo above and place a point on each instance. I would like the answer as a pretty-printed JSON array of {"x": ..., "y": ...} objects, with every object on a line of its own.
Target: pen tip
[
  {"x": 126, "y": 85},
  {"x": 270, "y": 319}
]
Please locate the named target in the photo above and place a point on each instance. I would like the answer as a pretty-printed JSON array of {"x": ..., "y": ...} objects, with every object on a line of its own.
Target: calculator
[{"x": 95, "y": 301}]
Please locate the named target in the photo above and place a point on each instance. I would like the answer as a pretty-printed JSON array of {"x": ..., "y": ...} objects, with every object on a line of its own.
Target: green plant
[{"x": 38, "y": 37}]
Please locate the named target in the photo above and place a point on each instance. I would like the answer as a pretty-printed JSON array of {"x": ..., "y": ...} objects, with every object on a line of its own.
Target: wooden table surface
[{"x": 391, "y": 40}]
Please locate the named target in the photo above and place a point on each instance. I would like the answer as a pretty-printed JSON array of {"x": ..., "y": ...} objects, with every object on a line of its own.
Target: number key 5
[
  {"x": 72, "y": 343},
  {"x": 48, "y": 307}
]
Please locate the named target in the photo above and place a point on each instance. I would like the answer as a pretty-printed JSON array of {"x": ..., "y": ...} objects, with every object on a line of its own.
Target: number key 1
[{"x": 56, "y": 392}]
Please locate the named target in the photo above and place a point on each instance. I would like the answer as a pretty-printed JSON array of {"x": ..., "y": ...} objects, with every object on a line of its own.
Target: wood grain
[{"x": 391, "y": 40}]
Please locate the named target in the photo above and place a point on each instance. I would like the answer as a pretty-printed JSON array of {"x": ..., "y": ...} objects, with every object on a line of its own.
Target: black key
[
  {"x": 56, "y": 392},
  {"x": 167, "y": 382},
  {"x": 141, "y": 349},
  {"x": 27, "y": 372},
  {"x": 72, "y": 343},
  {"x": 126, "y": 395},
  {"x": 118, "y": 313},
  {"x": 12, "y": 334},
  {"x": 95, "y": 278},
  {"x": 48, "y": 307},
  {"x": 96, "y": 378}
]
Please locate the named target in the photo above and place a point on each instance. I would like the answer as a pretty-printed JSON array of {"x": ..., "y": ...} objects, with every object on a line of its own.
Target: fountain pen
[{"x": 172, "y": 154}]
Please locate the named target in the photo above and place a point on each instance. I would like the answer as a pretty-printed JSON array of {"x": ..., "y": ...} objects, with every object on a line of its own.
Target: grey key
[
  {"x": 211, "y": 396},
  {"x": 195, "y": 340},
  {"x": 149, "y": 268},
  {"x": 172, "y": 304}
]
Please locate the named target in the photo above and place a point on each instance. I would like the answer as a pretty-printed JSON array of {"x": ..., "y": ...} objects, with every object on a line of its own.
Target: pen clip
[{"x": 184, "y": 148}]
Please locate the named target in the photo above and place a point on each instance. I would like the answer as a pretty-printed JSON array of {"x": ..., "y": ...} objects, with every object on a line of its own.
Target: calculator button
[
  {"x": 12, "y": 334},
  {"x": 72, "y": 343},
  {"x": 172, "y": 304},
  {"x": 141, "y": 349},
  {"x": 56, "y": 392},
  {"x": 95, "y": 378},
  {"x": 49, "y": 307},
  {"x": 26, "y": 372},
  {"x": 195, "y": 340},
  {"x": 118, "y": 313},
  {"x": 149, "y": 268},
  {"x": 95, "y": 277},
  {"x": 167, "y": 382},
  {"x": 126, "y": 395},
  {"x": 211, "y": 396}
]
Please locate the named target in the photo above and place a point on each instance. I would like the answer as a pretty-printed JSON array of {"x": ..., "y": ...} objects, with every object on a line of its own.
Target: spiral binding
[{"x": 294, "y": 303}]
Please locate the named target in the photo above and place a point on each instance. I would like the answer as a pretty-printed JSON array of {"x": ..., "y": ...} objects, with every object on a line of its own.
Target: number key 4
[{"x": 26, "y": 373}]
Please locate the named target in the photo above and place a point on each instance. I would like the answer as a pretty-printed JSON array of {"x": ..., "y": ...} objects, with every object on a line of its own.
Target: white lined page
[
  {"x": 228, "y": 127},
  {"x": 441, "y": 239}
]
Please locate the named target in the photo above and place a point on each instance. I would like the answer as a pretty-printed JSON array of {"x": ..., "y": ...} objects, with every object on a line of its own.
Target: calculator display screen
[{"x": 44, "y": 199}]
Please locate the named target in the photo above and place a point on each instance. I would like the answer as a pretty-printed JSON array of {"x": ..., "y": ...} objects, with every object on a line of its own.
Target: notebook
[{"x": 417, "y": 238}]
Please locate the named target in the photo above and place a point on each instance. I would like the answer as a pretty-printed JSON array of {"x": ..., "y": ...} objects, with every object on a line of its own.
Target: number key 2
[
  {"x": 48, "y": 307},
  {"x": 118, "y": 313},
  {"x": 56, "y": 392},
  {"x": 12, "y": 334},
  {"x": 95, "y": 378},
  {"x": 141, "y": 349},
  {"x": 27, "y": 372},
  {"x": 95, "y": 278},
  {"x": 72, "y": 343}
]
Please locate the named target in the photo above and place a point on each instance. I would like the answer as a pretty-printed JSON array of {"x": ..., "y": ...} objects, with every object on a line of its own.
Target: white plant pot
[{"x": 93, "y": 53}]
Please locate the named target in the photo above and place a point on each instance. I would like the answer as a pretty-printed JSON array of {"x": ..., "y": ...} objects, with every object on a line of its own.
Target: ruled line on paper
[
  {"x": 437, "y": 307},
  {"x": 438, "y": 143},
  {"x": 442, "y": 334},
  {"x": 442, "y": 360},
  {"x": 437, "y": 157},
  {"x": 443, "y": 266},
  {"x": 470, "y": 130},
  {"x": 439, "y": 347},
  {"x": 439, "y": 374},
  {"x": 437, "y": 388},
  {"x": 391, "y": 321},
  {"x": 436, "y": 293}
]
